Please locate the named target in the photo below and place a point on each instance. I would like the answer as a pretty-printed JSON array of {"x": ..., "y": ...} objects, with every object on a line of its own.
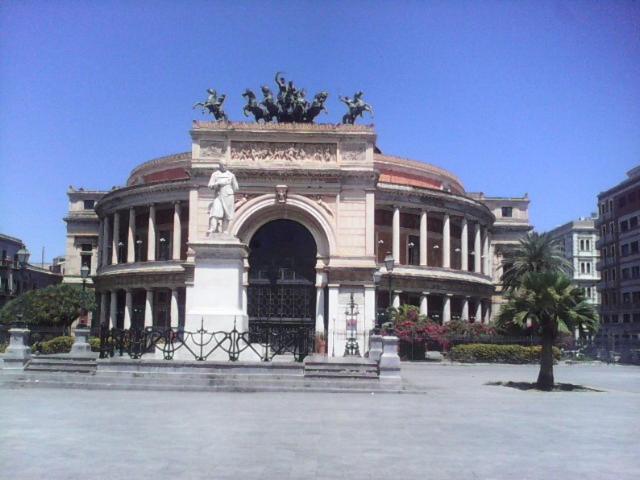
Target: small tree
[
  {"x": 57, "y": 305},
  {"x": 536, "y": 253},
  {"x": 553, "y": 306}
]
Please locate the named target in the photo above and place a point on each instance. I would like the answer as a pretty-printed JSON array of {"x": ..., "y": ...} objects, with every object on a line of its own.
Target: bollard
[
  {"x": 390, "y": 361},
  {"x": 375, "y": 347},
  {"x": 81, "y": 345},
  {"x": 18, "y": 353}
]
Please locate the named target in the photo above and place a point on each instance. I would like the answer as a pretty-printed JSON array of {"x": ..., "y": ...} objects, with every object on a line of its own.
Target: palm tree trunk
[{"x": 545, "y": 377}]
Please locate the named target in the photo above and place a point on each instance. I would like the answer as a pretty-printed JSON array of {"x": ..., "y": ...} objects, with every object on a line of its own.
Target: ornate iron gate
[{"x": 281, "y": 290}]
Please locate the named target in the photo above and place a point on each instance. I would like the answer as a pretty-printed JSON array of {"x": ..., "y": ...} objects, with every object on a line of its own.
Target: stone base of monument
[{"x": 215, "y": 298}]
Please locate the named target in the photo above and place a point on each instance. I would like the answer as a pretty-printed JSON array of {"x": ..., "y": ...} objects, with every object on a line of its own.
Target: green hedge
[
  {"x": 55, "y": 345},
  {"x": 488, "y": 353},
  {"x": 95, "y": 344}
]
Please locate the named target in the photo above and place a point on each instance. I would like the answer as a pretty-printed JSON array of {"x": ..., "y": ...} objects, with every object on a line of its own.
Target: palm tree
[
  {"x": 552, "y": 305},
  {"x": 535, "y": 253}
]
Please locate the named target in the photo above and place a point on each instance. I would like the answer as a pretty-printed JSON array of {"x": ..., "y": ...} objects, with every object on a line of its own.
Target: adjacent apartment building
[
  {"x": 619, "y": 266},
  {"x": 578, "y": 240},
  {"x": 511, "y": 225},
  {"x": 82, "y": 236},
  {"x": 15, "y": 280}
]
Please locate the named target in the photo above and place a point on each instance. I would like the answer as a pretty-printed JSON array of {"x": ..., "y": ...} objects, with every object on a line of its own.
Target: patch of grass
[{"x": 558, "y": 387}]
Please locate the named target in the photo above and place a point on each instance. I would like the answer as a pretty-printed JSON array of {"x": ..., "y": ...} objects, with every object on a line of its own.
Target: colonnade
[
  {"x": 109, "y": 307},
  {"x": 110, "y": 236},
  {"x": 481, "y": 255}
]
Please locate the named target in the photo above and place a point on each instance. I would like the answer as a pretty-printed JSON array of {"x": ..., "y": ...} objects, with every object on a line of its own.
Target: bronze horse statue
[
  {"x": 356, "y": 107},
  {"x": 316, "y": 107},
  {"x": 253, "y": 107},
  {"x": 213, "y": 105}
]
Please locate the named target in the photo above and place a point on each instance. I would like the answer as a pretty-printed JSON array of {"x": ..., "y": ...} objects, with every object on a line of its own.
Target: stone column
[
  {"x": 177, "y": 232},
  {"x": 464, "y": 246},
  {"x": 333, "y": 342},
  {"x": 446, "y": 242},
  {"x": 148, "y": 309},
  {"x": 131, "y": 236},
  {"x": 128, "y": 308},
  {"x": 396, "y": 298},
  {"x": 321, "y": 282},
  {"x": 487, "y": 313},
  {"x": 396, "y": 234},
  {"x": 477, "y": 255},
  {"x": 478, "y": 310},
  {"x": 423, "y": 238},
  {"x": 370, "y": 223},
  {"x": 105, "y": 242},
  {"x": 175, "y": 321},
  {"x": 446, "y": 309},
  {"x": 100, "y": 244},
  {"x": 424, "y": 303},
  {"x": 116, "y": 238},
  {"x": 103, "y": 308},
  {"x": 485, "y": 253},
  {"x": 113, "y": 311},
  {"x": 465, "y": 309},
  {"x": 151, "y": 234}
]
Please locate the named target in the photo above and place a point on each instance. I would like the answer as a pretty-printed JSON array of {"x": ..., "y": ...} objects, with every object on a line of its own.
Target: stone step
[
  {"x": 61, "y": 364},
  {"x": 96, "y": 381}
]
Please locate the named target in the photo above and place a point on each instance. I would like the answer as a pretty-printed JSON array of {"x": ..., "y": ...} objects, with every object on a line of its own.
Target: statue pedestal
[
  {"x": 215, "y": 298},
  {"x": 18, "y": 353}
]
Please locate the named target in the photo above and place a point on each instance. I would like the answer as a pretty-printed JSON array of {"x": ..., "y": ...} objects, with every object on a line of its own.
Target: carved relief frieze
[
  {"x": 212, "y": 149},
  {"x": 353, "y": 152},
  {"x": 283, "y": 152}
]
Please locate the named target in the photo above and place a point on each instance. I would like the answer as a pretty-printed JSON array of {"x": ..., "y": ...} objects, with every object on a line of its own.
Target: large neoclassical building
[{"x": 317, "y": 210}]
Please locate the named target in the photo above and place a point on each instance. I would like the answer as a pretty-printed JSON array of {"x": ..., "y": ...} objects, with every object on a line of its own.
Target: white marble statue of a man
[{"x": 221, "y": 211}]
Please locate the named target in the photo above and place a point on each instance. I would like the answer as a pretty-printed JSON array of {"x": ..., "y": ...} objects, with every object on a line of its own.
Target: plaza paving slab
[{"x": 460, "y": 429}]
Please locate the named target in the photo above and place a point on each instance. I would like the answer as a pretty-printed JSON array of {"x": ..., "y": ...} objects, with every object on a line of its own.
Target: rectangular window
[
  {"x": 588, "y": 267},
  {"x": 89, "y": 204},
  {"x": 635, "y": 271},
  {"x": 85, "y": 247},
  {"x": 582, "y": 267},
  {"x": 86, "y": 261},
  {"x": 624, "y": 251},
  {"x": 633, "y": 222},
  {"x": 626, "y": 274},
  {"x": 588, "y": 244},
  {"x": 624, "y": 226},
  {"x": 507, "y": 211},
  {"x": 626, "y": 297}
]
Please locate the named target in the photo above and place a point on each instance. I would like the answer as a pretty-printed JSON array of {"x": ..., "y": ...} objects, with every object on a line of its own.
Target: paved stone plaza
[{"x": 461, "y": 429}]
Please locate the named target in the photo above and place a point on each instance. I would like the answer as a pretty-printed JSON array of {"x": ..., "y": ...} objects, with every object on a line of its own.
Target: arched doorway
[{"x": 282, "y": 262}]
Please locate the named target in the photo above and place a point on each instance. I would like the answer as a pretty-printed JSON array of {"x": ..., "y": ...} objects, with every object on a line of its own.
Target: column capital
[
  {"x": 426, "y": 294},
  {"x": 448, "y": 295}
]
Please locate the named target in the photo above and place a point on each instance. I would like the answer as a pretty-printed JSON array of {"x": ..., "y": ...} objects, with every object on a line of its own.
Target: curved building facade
[{"x": 317, "y": 211}]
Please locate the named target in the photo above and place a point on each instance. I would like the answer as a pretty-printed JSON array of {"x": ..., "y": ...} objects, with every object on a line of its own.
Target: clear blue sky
[{"x": 514, "y": 97}]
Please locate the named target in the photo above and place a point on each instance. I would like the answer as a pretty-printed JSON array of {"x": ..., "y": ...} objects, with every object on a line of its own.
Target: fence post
[
  {"x": 375, "y": 347},
  {"x": 389, "y": 360},
  {"x": 18, "y": 353}
]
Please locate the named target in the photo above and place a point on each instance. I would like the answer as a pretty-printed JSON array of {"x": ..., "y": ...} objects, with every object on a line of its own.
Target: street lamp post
[
  {"x": 376, "y": 280},
  {"x": 389, "y": 263},
  {"x": 23, "y": 258},
  {"x": 84, "y": 273}
]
